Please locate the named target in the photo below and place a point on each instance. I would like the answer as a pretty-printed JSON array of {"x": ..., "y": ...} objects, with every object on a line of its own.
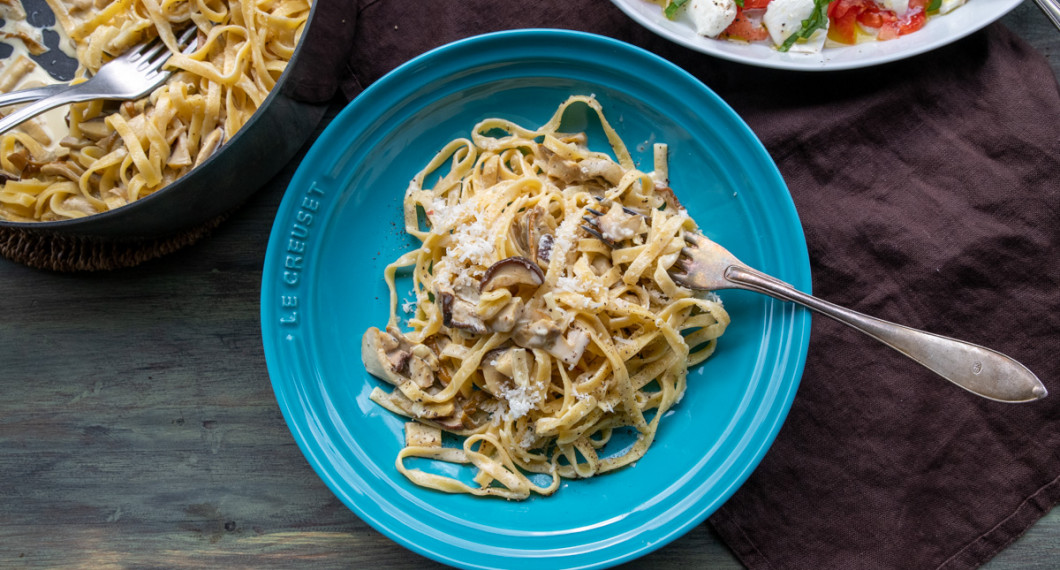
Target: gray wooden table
[{"x": 138, "y": 426}]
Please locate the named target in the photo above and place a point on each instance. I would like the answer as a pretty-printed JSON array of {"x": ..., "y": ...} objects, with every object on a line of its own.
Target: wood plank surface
[{"x": 138, "y": 427}]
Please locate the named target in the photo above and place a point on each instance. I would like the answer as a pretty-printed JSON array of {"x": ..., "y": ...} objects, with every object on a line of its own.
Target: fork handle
[
  {"x": 69, "y": 94},
  {"x": 977, "y": 369},
  {"x": 1051, "y": 8},
  {"x": 31, "y": 94}
]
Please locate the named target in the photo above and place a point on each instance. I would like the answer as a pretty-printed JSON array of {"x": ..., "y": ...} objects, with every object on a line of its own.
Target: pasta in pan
[
  {"x": 109, "y": 155},
  {"x": 534, "y": 340}
]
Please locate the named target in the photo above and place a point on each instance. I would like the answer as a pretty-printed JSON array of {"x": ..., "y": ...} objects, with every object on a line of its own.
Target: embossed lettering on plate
[{"x": 294, "y": 261}]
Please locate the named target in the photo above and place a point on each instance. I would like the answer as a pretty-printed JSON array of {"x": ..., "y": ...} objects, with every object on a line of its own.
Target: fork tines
[
  {"x": 624, "y": 208},
  {"x": 592, "y": 228}
]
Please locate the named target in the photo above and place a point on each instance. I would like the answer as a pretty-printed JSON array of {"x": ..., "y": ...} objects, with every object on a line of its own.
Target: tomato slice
[
  {"x": 744, "y": 28},
  {"x": 845, "y": 15},
  {"x": 839, "y": 8},
  {"x": 844, "y": 29},
  {"x": 914, "y": 18},
  {"x": 876, "y": 18},
  {"x": 888, "y": 31}
]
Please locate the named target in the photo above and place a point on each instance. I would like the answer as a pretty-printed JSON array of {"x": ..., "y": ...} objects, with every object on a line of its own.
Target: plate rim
[{"x": 800, "y": 327}]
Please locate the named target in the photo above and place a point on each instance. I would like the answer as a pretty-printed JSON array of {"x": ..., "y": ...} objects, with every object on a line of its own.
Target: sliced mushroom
[
  {"x": 95, "y": 129},
  {"x": 36, "y": 129},
  {"x": 386, "y": 355},
  {"x": 467, "y": 287},
  {"x": 540, "y": 332},
  {"x": 459, "y": 313},
  {"x": 23, "y": 161},
  {"x": 619, "y": 225},
  {"x": 180, "y": 156},
  {"x": 468, "y": 413},
  {"x": 601, "y": 168},
  {"x": 398, "y": 402},
  {"x": 582, "y": 171},
  {"x": 569, "y": 348},
  {"x": 65, "y": 169},
  {"x": 74, "y": 143},
  {"x": 507, "y": 373},
  {"x": 497, "y": 369},
  {"x": 452, "y": 422},
  {"x": 669, "y": 197},
  {"x": 505, "y": 319},
  {"x": 533, "y": 235},
  {"x": 34, "y": 45},
  {"x": 546, "y": 335},
  {"x": 420, "y": 372},
  {"x": 544, "y": 248},
  {"x": 512, "y": 272},
  {"x": 474, "y": 409},
  {"x": 209, "y": 145},
  {"x": 539, "y": 236},
  {"x": 109, "y": 142},
  {"x": 560, "y": 168},
  {"x": 128, "y": 109}
]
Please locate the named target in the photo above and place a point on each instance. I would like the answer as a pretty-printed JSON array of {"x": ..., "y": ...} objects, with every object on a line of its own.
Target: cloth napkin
[{"x": 929, "y": 192}]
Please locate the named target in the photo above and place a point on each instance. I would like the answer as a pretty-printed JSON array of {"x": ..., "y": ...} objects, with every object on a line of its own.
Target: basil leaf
[
  {"x": 818, "y": 20},
  {"x": 934, "y": 5},
  {"x": 671, "y": 9},
  {"x": 740, "y": 3}
]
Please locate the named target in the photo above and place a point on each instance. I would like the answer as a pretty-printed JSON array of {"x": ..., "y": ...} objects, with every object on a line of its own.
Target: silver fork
[
  {"x": 705, "y": 265},
  {"x": 1051, "y": 8},
  {"x": 131, "y": 75}
]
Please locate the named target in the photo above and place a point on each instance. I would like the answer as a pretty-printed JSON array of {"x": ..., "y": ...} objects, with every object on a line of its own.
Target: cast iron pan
[{"x": 239, "y": 168}]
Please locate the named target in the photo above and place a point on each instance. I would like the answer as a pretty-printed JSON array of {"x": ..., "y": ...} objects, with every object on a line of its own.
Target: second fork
[{"x": 131, "y": 75}]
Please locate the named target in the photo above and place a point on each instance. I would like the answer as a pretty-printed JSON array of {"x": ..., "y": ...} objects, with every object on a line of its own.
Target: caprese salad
[{"x": 807, "y": 25}]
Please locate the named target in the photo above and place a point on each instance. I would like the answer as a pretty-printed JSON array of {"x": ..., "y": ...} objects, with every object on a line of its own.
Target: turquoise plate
[{"x": 340, "y": 223}]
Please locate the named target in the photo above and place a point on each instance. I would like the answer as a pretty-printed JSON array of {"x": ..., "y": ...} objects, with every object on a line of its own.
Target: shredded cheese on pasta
[
  {"x": 113, "y": 154},
  {"x": 531, "y": 338}
]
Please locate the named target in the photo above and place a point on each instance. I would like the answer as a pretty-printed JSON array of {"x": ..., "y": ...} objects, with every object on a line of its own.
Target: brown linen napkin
[
  {"x": 321, "y": 63},
  {"x": 928, "y": 190}
]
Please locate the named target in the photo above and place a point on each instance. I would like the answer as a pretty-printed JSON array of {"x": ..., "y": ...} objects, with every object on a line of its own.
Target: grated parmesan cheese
[
  {"x": 409, "y": 306},
  {"x": 528, "y": 441},
  {"x": 567, "y": 284},
  {"x": 471, "y": 244},
  {"x": 521, "y": 399}
]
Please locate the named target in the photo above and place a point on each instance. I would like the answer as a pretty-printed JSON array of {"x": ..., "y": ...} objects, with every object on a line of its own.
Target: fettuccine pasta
[
  {"x": 532, "y": 339},
  {"x": 108, "y": 155}
]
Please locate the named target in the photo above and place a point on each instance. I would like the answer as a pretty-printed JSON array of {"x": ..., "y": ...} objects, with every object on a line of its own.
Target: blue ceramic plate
[{"x": 340, "y": 223}]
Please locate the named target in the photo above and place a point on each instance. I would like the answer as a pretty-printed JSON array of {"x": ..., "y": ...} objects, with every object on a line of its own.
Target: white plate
[{"x": 939, "y": 31}]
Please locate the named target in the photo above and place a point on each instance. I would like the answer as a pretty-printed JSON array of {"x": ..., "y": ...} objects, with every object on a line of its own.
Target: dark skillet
[{"x": 239, "y": 168}]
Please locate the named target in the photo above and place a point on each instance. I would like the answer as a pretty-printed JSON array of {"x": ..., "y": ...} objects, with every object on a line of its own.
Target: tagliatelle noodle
[
  {"x": 113, "y": 154},
  {"x": 538, "y": 375}
]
